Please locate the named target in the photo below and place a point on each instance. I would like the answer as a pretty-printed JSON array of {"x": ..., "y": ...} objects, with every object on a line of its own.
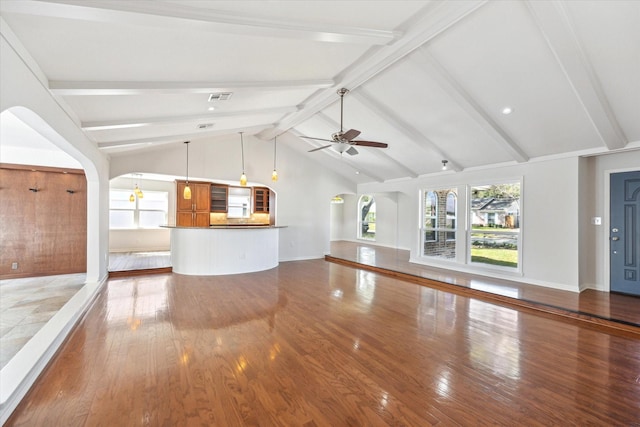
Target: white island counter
[{"x": 220, "y": 250}]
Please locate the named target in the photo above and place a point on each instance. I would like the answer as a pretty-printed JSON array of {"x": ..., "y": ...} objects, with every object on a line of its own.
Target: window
[
  {"x": 430, "y": 217},
  {"x": 367, "y": 218},
  {"x": 452, "y": 206},
  {"x": 440, "y": 221},
  {"x": 495, "y": 224},
  {"x": 147, "y": 212}
]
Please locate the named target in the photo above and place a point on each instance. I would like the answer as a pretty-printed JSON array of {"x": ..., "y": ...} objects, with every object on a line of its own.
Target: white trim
[
  {"x": 505, "y": 276},
  {"x": 21, "y": 372},
  {"x": 469, "y": 229}
]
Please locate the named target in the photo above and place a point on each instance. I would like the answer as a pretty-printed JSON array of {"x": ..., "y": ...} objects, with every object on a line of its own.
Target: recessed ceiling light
[
  {"x": 507, "y": 110},
  {"x": 211, "y": 108},
  {"x": 357, "y": 172}
]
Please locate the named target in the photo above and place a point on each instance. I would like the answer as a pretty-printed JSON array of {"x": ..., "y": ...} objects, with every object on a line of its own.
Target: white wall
[
  {"x": 549, "y": 243},
  {"x": 303, "y": 191},
  {"x": 336, "y": 221},
  {"x": 24, "y": 92},
  {"x": 30, "y": 101}
]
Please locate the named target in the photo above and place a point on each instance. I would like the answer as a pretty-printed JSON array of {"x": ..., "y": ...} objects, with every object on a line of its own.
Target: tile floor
[{"x": 26, "y": 305}]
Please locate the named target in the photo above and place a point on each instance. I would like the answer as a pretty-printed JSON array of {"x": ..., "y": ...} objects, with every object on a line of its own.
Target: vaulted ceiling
[{"x": 429, "y": 78}]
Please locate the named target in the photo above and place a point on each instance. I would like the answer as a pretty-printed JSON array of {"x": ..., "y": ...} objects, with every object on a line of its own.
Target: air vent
[
  {"x": 205, "y": 125},
  {"x": 219, "y": 96}
]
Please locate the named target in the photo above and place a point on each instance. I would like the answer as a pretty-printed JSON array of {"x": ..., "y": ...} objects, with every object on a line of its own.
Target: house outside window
[
  {"x": 367, "y": 218},
  {"x": 148, "y": 212},
  {"x": 495, "y": 225},
  {"x": 439, "y": 224}
]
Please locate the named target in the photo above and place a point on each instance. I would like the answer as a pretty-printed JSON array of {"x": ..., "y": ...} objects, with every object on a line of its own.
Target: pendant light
[
  {"x": 187, "y": 191},
  {"x": 132, "y": 198},
  {"x": 137, "y": 190},
  {"x": 243, "y": 177},
  {"x": 274, "y": 174}
]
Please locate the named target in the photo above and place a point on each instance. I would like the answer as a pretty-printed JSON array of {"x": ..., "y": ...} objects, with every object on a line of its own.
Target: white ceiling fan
[{"x": 344, "y": 141}]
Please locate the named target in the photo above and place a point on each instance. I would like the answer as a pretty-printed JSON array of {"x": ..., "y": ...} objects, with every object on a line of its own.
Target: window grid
[
  {"x": 439, "y": 224},
  {"x": 148, "y": 212}
]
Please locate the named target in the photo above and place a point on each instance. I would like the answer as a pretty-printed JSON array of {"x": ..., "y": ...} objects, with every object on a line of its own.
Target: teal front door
[{"x": 624, "y": 234}]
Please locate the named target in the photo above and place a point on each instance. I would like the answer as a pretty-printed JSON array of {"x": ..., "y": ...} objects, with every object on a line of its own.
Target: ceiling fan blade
[
  {"x": 350, "y": 134},
  {"x": 319, "y": 148},
  {"x": 318, "y": 139},
  {"x": 370, "y": 144},
  {"x": 352, "y": 151}
]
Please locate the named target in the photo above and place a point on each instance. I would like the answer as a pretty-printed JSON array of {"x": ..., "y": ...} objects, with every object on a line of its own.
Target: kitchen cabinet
[
  {"x": 193, "y": 212},
  {"x": 261, "y": 200},
  {"x": 219, "y": 198}
]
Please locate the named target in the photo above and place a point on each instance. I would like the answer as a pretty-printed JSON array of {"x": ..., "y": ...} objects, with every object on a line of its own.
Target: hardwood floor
[
  {"x": 599, "y": 308},
  {"x": 312, "y": 343}
]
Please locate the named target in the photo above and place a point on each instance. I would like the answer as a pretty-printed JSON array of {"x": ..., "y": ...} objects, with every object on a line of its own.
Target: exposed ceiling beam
[
  {"x": 413, "y": 135},
  {"x": 150, "y": 121},
  {"x": 159, "y": 14},
  {"x": 555, "y": 25},
  {"x": 455, "y": 90},
  {"x": 381, "y": 154},
  {"x": 432, "y": 21},
  {"x": 183, "y": 137},
  {"x": 83, "y": 88}
]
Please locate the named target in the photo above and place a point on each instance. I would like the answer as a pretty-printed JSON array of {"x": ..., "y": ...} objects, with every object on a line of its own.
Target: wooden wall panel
[{"x": 44, "y": 231}]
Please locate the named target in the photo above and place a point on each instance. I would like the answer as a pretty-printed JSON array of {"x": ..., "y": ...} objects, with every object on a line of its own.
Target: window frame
[
  {"x": 361, "y": 221},
  {"x": 136, "y": 209},
  {"x": 437, "y": 230},
  {"x": 470, "y": 230}
]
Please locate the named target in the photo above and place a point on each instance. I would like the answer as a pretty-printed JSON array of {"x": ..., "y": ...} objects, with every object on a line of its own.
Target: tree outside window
[
  {"x": 367, "y": 218},
  {"x": 495, "y": 224}
]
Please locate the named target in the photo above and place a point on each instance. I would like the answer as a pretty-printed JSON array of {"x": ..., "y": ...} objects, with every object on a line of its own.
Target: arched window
[
  {"x": 440, "y": 209},
  {"x": 452, "y": 206},
  {"x": 430, "y": 217},
  {"x": 367, "y": 217}
]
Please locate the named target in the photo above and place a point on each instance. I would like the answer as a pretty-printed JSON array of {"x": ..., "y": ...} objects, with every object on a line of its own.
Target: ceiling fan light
[{"x": 342, "y": 147}]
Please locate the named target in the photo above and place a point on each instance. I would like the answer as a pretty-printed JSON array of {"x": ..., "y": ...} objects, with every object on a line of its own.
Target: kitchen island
[{"x": 224, "y": 249}]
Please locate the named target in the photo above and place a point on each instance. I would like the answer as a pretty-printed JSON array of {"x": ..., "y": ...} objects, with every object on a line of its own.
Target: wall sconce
[
  {"x": 35, "y": 190},
  {"x": 71, "y": 191}
]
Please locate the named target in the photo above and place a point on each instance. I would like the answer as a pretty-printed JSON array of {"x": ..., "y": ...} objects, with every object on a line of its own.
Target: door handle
[{"x": 615, "y": 238}]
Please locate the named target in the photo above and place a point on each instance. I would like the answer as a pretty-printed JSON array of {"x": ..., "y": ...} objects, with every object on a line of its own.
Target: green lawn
[{"x": 503, "y": 257}]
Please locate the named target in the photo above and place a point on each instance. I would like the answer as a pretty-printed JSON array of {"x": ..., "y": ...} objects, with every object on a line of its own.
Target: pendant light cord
[
  {"x": 187, "y": 142},
  {"x": 242, "y": 148}
]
